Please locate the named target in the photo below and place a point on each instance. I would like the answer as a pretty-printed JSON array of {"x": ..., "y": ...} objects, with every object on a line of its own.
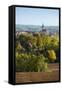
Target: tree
[
  {"x": 41, "y": 63},
  {"x": 46, "y": 40},
  {"x": 52, "y": 55}
]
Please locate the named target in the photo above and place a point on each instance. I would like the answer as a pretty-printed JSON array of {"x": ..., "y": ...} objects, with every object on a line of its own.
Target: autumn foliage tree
[
  {"x": 52, "y": 55},
  {"x": 35, "y": 51}
]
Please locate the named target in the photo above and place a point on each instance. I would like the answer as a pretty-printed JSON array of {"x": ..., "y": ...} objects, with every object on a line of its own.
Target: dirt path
[
  {"x": 22, "y": 77},
  {"x": 54, "y": 66}
]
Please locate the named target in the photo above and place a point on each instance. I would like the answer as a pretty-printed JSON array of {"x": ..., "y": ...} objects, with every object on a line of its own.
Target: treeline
[{"x": 35, "y": 51}]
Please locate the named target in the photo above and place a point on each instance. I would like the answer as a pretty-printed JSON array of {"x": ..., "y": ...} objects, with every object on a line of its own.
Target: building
[{"x": 44, "y": 31}]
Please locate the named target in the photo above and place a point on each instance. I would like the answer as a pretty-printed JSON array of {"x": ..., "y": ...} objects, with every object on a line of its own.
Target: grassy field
[{"x": 51, "y": 75}]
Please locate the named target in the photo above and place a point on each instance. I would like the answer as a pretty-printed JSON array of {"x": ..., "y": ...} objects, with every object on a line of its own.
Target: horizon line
[{"x": 36, "y": 25}]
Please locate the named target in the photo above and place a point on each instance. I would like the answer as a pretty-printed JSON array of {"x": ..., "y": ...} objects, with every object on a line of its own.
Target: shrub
[
  {"x": 41, "y": 63},
  {"x": 30, "y": 62}
]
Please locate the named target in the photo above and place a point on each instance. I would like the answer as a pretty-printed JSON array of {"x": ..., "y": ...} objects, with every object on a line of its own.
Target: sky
[{"x": 37, "y": 16}]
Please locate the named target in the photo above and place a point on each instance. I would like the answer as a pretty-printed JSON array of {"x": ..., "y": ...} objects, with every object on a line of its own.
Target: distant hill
[{"x": 35, "y": 28}]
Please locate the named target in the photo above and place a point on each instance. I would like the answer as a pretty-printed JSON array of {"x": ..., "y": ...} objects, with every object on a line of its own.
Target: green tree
[
  {"x": 41, "y": 63},
  {"x": 46, "y": 40}
]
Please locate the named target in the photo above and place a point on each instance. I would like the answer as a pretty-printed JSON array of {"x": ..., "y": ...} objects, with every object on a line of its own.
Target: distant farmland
[{"x": 51, "y": 75}]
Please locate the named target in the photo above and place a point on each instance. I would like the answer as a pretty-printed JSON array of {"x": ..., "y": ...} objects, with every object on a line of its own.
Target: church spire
[{"x": 42, "y": 26}]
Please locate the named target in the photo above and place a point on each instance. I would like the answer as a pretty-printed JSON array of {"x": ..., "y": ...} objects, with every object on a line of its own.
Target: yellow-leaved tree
[{"x": 52, "y": 55}]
